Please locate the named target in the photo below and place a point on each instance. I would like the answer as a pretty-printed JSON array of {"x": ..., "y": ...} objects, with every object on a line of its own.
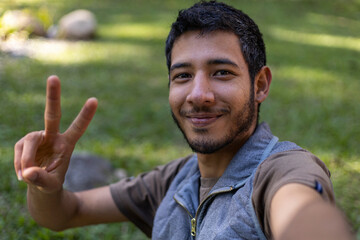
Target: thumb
[{"x": 41, "y": 179}]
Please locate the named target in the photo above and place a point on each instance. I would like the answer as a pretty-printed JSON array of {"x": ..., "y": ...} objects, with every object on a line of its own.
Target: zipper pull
[{"x": 193, "y": 227}]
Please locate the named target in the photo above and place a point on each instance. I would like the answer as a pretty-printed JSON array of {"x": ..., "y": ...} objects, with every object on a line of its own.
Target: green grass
[{"x": 313, "y": 49}]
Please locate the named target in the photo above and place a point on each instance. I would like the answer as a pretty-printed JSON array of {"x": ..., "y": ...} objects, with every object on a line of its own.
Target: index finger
[{"x": 52, "y": 113}]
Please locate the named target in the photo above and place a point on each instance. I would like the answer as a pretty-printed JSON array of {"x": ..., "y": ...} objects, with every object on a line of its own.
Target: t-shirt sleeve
[
  {"x": 295, "y": 166},
  {"x": 138, "y": 198}
]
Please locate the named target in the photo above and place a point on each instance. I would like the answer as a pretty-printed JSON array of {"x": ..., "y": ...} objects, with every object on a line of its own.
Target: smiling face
[{"x": 211, "y": 95}]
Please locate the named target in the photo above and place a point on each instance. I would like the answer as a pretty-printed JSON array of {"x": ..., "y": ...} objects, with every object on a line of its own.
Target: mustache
[{"x": 204, "y": 110}]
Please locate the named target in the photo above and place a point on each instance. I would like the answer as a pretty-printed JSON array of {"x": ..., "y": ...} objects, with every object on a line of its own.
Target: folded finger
[
  {"x": 30, "y": 147},
  {"x": 18, "y": 149},
  {"x": 52, "y": 114},
  {"x": 81, "y": 122}
]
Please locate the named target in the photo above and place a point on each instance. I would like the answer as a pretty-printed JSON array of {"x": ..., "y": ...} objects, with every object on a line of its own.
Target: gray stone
[
  {"x": 77, "y": 25},
  {"x": 87, "y": 171}
]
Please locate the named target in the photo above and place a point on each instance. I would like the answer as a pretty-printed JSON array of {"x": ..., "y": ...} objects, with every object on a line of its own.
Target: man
[{"x": 241, "y": 183}]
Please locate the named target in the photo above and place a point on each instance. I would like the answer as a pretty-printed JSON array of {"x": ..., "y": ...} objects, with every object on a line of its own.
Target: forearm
[
  {"x": 299, "y": 212},
  {"x": 52, "y": 210},
  {"x": 318, "y": 220}
]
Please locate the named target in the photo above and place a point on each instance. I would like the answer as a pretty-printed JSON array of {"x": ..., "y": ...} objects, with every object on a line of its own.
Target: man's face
[{"x": 211, "y": 96}]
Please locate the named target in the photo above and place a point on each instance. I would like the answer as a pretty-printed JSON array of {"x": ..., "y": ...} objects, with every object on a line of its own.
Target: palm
[{"x": 52, "y": 155}]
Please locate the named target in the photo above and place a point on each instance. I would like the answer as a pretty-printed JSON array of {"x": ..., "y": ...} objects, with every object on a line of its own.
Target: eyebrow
[
  {"x": 179, "y": 65},
  {"x": 222, "y": 61},
  {"x": 210, "y": 62}
]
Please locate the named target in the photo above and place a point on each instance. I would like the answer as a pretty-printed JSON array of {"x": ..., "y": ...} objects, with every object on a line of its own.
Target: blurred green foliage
[{"x": 313, "y": 50}]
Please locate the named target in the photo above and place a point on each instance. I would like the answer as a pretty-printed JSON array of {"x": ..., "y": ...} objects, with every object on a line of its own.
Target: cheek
[
  {"x": 172, "y": 105},
  {"x": 232, "y": 94},
  {"x": 238, "y": 91},
  {"x": 176, "y": 99}
]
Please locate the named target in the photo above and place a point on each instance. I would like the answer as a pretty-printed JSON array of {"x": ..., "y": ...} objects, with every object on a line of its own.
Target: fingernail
[{"x": 19, "y": 175}]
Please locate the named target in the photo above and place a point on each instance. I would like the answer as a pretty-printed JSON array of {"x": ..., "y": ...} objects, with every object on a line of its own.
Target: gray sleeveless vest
[{"x": 227, "y": 212}]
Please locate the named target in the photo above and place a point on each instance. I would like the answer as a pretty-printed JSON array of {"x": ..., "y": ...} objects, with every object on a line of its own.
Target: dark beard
[{"x": 245, "y": 120}]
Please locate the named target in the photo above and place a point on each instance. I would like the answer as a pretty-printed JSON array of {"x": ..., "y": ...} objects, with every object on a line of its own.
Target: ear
[{"x": 262, "y": 84}]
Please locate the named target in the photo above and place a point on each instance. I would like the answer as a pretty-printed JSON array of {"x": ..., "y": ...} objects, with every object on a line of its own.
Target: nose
[{"x": 201, "y": 93}]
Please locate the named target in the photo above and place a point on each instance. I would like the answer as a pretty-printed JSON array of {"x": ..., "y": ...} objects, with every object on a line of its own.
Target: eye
[
  {"x": 181, "y": 77},
  {"x": 222, "y": 73}
]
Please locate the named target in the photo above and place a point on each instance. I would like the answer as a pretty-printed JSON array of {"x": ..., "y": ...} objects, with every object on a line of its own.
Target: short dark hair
[{"x": 211, "y": 16}]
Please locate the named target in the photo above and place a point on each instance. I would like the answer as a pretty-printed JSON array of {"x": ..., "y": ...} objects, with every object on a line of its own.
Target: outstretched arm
[
  {"x": 42, "y": 158},
  {"x": 299, "y": 212}
]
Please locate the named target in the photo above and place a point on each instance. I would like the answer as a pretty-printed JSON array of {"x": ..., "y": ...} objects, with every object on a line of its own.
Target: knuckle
[
  {"x": 19, "y": 144},
  {"x": 29, "y": 136},
  {"x": 33, "y": 136}
]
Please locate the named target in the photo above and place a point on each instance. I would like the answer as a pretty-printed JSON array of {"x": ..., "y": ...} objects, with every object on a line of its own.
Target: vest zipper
[
  {"x": 193, "y": 227},
  {"x": 194, "y": 219}
]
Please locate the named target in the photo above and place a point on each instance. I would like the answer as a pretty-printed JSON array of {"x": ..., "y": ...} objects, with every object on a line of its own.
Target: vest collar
[
  {"x": 247, "y": 158},
  {"x": 244, "y": 163}
]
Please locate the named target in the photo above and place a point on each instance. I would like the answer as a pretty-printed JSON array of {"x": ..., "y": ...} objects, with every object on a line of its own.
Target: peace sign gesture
[{"x": 41, "y": 158}]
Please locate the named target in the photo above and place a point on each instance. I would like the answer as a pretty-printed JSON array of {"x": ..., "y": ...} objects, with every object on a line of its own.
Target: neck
[{"x": 213, "y": 165}]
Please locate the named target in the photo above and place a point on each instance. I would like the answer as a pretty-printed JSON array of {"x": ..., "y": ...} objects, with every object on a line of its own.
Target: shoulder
[
  {"x": 291, "y": 164},
  {"x": 298, "y": 159},
  {"x": 294, "y": 166},
  {"x": 174, "y": 166},
  {"x": 282, "y": 168},
  {"x": 138, "y": 198}
]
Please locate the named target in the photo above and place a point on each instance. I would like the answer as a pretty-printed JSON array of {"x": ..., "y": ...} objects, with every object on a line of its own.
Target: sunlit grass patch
[
  {"x": 304, "y": 74},
  {"x": 323, "y": 40},
  {"x": 67, "y": 52},
  {"x": 332, "y": 21},
  {"x": 134, "y": 30},
  {"x": 313, "y": 82},
  {"x": 354, "y": 165}
]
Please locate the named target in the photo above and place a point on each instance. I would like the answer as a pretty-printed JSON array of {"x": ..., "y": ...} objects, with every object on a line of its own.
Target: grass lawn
[{"x": 313, "y": 50}]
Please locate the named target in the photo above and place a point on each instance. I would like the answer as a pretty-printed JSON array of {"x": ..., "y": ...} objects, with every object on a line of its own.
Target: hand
[{"x": 41, "y": 158}]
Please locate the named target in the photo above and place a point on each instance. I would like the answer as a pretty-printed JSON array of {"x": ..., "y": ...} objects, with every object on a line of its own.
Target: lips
[
  {"x": 203, "y": 117},
  {"x": 202, "y": 120}
]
